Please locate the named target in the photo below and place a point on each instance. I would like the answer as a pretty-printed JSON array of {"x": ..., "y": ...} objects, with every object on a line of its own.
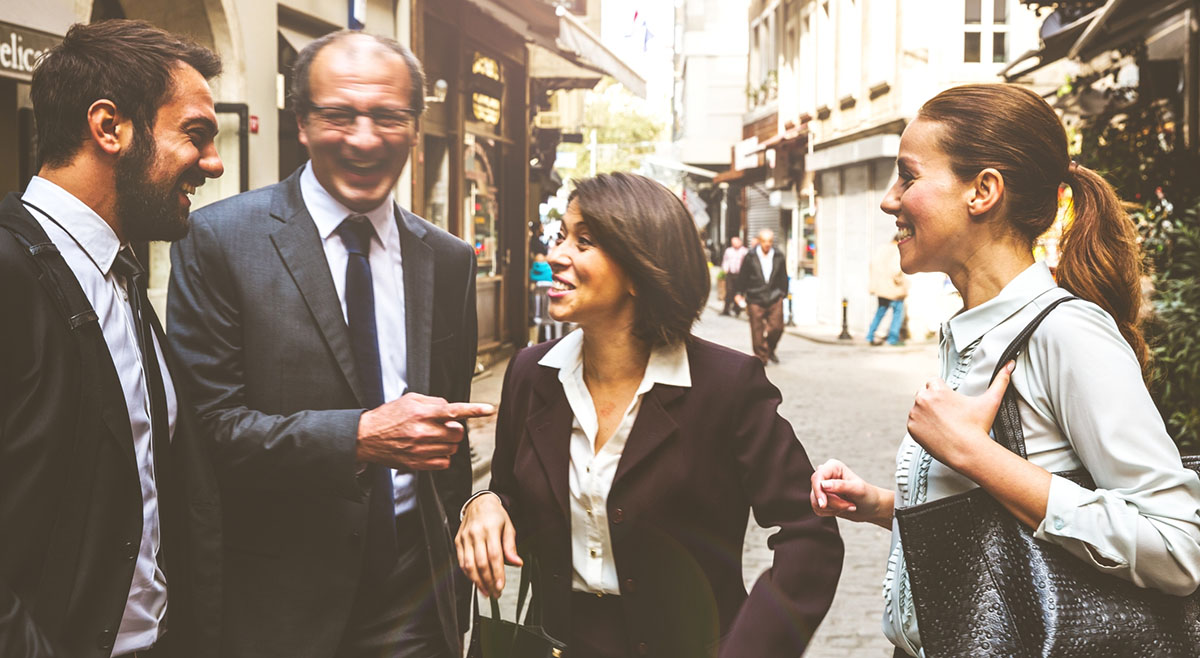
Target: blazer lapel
[
  {"x": 549, "y": 427},
  {"x": 299, "y": 246},
  {"x": 417, "y": 260},
  {"x": 653, "y": 426}
]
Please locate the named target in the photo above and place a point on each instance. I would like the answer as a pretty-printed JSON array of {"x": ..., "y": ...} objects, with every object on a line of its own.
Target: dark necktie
[
  {"x": 355, "y": 232},
  {"x": 127, "y": 266}
]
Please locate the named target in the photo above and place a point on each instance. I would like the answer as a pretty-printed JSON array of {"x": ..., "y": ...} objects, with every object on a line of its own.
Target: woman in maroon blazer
[{"x": 630, "y": 453}]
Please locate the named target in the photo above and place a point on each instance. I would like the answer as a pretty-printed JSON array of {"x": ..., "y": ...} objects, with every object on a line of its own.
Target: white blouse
[
  {"x": 594, "y": 569},
  {"x": 1083, "y": 404}
]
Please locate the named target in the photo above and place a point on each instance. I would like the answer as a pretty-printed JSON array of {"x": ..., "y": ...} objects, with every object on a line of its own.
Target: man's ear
[
  {"x": 987, "y": 190},
  {"x": 301, "y": 135},
  {"x": 107, "y": 127}
]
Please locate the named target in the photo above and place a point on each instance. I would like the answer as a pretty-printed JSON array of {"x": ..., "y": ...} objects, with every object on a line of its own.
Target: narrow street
[{"x": 845, "y": 401}]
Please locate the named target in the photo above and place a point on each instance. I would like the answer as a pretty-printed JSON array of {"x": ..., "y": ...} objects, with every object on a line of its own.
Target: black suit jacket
[
  {"x": 70, "y": 494},
  {"x": 757, "y": 289},
  {"x": 696, "y": 461},
  {"x": 253, "y": 311}
]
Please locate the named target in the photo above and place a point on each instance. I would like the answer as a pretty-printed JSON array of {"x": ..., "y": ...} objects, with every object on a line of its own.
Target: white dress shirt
[
  {"x": 89, "y": 246},
  {"x": 594, "y": 569},
  {"x": 1083, "y": 404},
  {"x": 767, "y": 261},
  {"x": 387, "y": 280}
]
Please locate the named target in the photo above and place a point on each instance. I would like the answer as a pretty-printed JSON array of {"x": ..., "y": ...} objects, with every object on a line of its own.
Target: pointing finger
[{"x": 460, "y": 410}]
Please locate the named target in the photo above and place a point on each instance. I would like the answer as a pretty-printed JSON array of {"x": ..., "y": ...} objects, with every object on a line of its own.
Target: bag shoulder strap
[
  {"x": 53, "y": 270},
  {"x": 1006, "y": 429}
]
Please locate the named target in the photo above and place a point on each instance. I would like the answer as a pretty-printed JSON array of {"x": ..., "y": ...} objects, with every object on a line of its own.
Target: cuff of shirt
[
  {"x": 1065, "y": 524},
  {"x": 463, "y": 512}
]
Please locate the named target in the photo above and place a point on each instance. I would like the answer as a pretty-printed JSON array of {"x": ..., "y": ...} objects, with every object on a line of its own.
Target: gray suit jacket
[{"x": 253, "y": 313}]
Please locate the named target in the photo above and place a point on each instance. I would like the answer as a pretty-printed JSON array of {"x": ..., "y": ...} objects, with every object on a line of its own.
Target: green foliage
[
  {"x": 626, "y": 131},
  {"x": 1140, "y": 153},
  {"x": 1174, "y": 244}
]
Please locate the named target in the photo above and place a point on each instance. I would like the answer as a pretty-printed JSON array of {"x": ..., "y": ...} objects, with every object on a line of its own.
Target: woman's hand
[
  {"x": 838, "y": 491},
  {"x": 486, "y": 541},
  {"x": 953, "y": 427}
]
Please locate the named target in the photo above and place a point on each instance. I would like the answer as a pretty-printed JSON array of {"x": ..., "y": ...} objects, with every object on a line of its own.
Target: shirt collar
[
  {"x": 968, "y": 326},
  {"x": 328, "y": 213},
  {"x": 93, "y": 234},
  {"x": 668, "y": 364}
]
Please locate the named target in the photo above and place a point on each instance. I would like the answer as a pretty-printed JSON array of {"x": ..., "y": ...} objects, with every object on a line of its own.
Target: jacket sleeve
[
  {"x": 454, "y": 484},
  {"x": 791, "y": 598},
  {"x": 25, "y": 420},
  {"x": 503, "y": 482},
  {"x": 312, "y": 449}
]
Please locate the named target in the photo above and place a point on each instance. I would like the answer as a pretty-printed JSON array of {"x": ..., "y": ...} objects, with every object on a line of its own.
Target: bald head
[
  {"x": 766, "y": 238},
  {"x": 360, "y": 46}
]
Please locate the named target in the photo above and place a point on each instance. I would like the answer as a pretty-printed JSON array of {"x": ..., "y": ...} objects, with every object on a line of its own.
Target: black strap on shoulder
[
  {"x": 54, "y": 273},
  {"x": 1006, "y": 429}
]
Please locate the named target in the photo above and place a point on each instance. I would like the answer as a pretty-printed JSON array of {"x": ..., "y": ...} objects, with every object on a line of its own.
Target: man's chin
[{"x": 161, "y": 232}]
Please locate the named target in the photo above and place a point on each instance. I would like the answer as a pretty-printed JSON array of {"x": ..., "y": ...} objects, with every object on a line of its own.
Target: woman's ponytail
[{"x": 1100, "y": 260}]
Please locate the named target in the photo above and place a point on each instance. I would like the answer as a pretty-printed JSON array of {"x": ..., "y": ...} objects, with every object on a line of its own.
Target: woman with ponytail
[{"x": 979, "y": 172}]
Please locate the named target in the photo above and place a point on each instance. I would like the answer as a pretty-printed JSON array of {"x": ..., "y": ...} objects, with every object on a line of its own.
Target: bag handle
[
  {"x": 533, "y": 615},
  {"x": 1006, "y": 429}
]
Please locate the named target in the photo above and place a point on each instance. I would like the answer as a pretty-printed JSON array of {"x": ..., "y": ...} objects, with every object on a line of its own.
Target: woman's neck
[
  {"x": 984, "y": 273},
  {"x": 613, "y": 357}
]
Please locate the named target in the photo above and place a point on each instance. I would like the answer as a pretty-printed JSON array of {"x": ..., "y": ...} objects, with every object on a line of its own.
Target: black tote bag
[
  {"x": 495, "y": 638},
  {"x": 982, "y": 585}
]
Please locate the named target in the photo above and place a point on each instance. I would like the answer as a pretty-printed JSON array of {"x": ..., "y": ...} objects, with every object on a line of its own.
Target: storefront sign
[
  {"x": 20, "y": 49},
  {"x": 486, "y": 88}
]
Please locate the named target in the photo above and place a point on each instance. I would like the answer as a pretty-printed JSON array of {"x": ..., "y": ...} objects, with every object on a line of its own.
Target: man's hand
[{"x": 415, "y": 431}]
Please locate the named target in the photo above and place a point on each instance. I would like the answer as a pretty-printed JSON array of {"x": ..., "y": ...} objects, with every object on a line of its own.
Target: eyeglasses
[{"x": 344, "y": 118}]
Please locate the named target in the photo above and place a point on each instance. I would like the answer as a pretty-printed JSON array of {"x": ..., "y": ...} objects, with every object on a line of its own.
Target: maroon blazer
[{"x": 697, "y": 460}]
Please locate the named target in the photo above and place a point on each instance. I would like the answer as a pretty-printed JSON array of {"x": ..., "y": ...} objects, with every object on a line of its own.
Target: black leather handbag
[
  {"x": 493, "y": 637},
  {"x": 982, "y": 584}
]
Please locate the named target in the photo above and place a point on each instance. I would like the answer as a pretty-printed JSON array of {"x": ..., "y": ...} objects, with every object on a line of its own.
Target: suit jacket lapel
[
  {"x": 549, "y": 427},
  {"x": 653, "y": 426},
  {"x": 417, "y": 260},
  {"x": 299, "y": 246}
]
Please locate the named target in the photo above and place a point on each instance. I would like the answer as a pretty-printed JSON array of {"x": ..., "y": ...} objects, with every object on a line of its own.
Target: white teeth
[
  {"x": 560, "y": 286},
  {"x": 361, "y": 166},
  {"x": 904, "y": 233},
  {"x": 188, "y": 188}
]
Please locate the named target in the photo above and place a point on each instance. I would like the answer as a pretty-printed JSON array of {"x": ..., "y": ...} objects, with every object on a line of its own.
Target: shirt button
[
  {"x": 589, "y": 512},
  {"x": 1058, "y": 524},
  {"x": 594, "y": 552}
]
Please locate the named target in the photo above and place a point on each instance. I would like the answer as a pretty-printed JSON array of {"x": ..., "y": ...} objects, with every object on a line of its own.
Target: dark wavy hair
[
  {"x": 1011, "y": 129},
  {"x": 647, "y": 230},
  {"x": 131, "y": 63},
  {"x": 301, "y": 96}
]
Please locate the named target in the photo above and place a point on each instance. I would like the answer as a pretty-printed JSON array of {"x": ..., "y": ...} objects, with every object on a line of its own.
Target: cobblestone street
[{"x": 845, "y": 401}]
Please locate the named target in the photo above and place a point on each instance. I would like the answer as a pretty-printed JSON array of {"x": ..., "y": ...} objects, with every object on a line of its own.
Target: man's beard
[{"x": 148, "y": 209}]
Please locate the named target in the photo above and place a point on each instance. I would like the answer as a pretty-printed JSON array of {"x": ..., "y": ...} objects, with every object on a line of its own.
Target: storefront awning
[
  {"x": 1055, "y": 46},
  {"x": 575, "y": 38},
  {"x": 568, "y": 47},
  {"x": 785, "y": 139}
]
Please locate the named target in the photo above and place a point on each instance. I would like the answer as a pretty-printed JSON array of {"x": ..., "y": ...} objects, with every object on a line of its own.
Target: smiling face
[
  {"x": 163, "y": 166},
  {"x": 590, "y": 289},
  {"x": 930, "y": 204},
  {"x": 359, "y": 163}
]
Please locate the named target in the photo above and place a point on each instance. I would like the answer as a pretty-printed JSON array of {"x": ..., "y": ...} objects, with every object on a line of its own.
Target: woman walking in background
[
  {"x": 979, "y": 170},
  {"x": 630, "y": 453}
]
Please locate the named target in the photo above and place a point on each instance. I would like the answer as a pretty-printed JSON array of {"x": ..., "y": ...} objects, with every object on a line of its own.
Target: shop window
[
  {"x": 437, "y": 180},
  {"x": 483, "y": 202}
]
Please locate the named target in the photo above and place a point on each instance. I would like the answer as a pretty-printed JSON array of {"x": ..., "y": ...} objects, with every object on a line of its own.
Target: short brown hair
[
  {"x": 131, "y": 63},
  {"x": 649, "y": 233}
]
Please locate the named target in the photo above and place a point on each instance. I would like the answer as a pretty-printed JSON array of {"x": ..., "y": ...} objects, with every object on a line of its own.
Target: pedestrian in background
[
  {"x": 980, "y": 169},
  {"x": 890, "y": 285},
  {"x": 762, "y": 284},
  {"x": 630, "y": 452},
  {"x": 109, "y": 511},
  {"x": 731, "y": 264},
  {"x": 331, "y": 340}
]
